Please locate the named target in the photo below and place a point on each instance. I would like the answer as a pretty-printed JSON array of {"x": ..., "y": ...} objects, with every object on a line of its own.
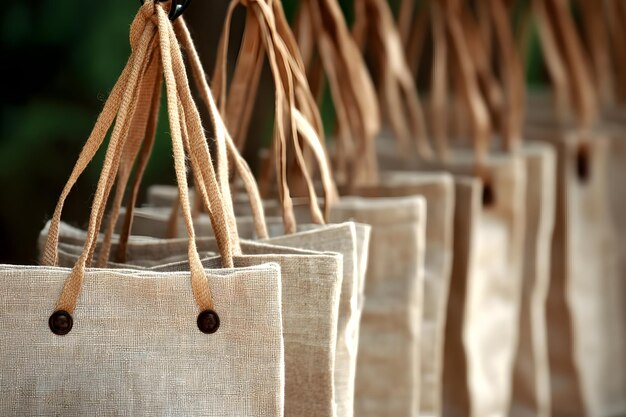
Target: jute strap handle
[
  {"x": 468, "y": 83},
  {"x": 138, "y": 146},
  {"x": 223, "y": 140},
  {"x": 616, "y": 22},
  {"x": 584, "y": 97},
  {"x": 566, "y": 63},
  {"x": 397, "y": 91},
  {"x": 321, "y": 28},
  {"x": 294, "y": 105},
  {"x": 595, "y": 22},
  {"x": 187, "y": 137},
  {"x": 512, "y": 70}
]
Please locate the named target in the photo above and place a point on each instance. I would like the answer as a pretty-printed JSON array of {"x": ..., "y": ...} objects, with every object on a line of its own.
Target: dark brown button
[
  {"x": 61, "y": 322},
  {"x": 489, "y": 197},
  {"x": 583, "y": 163},
  {"x": 208, "y": 321}
]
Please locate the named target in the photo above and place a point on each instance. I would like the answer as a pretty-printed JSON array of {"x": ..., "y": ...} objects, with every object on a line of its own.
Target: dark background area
[{"x": 59, "y": 60}]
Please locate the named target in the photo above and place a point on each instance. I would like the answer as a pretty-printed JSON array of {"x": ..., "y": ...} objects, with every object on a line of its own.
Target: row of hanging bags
[
  {"x": 311, "y": 389},
  {"x": 378, "y": 36},
  {"x": 389, "y": 344},
  {"x": 393, "y": 336},
  {"x": 195, "y": 342},
  {"x": 504, "y": 96},
  {"x": 496, "y": 278},
  {"x": 585, "y": 318},
  {"x": 388, "y": 332}
]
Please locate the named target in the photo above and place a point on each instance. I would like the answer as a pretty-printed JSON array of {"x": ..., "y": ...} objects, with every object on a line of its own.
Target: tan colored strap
[
  {"x": 352, "y": 91},
  {"x": 584, "y": 96},
  {"x": 104, "y": 121},
  {"x": 143, "y": 109},
  {"x": 142, "y": 163},
  {"x": 512, "y": 74},
  {"x": 73, "y": 284},
  {"x": 417, "y": 40},
  {"x": 397, "y": 91},
  {"x": 187, "y": 138},
  {"x": 554, "y": 60},
  {"x": 479, "y": 40},
  {"x": 596, "y": 32},
  {"x": 292, "y": 94},
  {"x": 470, "y": 92},
  {"x": 439, "y": 90},
  {"x": 616, "y": 19},
  {"x": 405, "y": 20},
  {"x": 224, "y": 142}
]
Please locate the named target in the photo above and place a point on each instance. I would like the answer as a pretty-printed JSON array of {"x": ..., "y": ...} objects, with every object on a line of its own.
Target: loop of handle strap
[
  {"x": 397, "y": 91},
  {"x": 467, "y": 79},
  {"x": 566, "y": 61},
  {"x": 512, "y": 75},
  {"x": 187, "y": 138},
  {"x": 322, "y": 28},
  {"x": 296, "y": 114},
  {"x": 596, "y": 32}
]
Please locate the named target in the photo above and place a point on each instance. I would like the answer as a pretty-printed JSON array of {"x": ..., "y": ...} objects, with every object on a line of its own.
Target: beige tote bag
[
  {"x": 485, "y": 292},
  {"x": 388, "y": 359},
  {"x": 114, "y": 349},
  {"x": 585, "y": 316},
  {"x": 438, "y": 191},
  {"x": 311, "y": 284}
]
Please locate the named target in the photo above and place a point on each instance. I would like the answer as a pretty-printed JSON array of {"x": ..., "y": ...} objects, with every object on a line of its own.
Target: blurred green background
[{"x": 59, "y": 60}]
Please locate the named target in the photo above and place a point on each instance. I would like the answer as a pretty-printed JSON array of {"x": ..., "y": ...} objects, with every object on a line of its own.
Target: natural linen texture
[
  {"x": 438, "y": 190},
  {"x": 388, "y": 359},
  {"x": 311, "y": 285},
  {"x": 141, "y": 343},
  {"x": 531, "y": 377},
  {"x": 585, "y": 333},
  {"x": 349, "y": 239},
  {"x": 485, "y": 299},
  {"x": 136, "y": 349}
]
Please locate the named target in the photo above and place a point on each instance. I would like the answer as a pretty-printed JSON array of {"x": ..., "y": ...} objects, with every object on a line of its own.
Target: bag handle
[
  {"x": 439, "y": 90},
  {"x": 470, "y": 92},
  {"x": 397, "y": 91},
  {"x": 323, "y": 29},
  {"x": 597, "y": 35},
  {"x": 512, "y": 76},
  {"x": 139, "y": 143},
  {"x": 187, "y": 137},
  {"x": 222, "y": 140},
  {"x": 566, "y": 63},
  {"x": 296, "y": 112},
  {"x": 616, "y": 22}
]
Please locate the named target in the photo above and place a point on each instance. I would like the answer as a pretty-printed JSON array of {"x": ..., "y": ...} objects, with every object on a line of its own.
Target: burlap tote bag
[
  {"x": 311, "y": 284},
  {"x": 312, "y": 366},
  {"x": 585, "y": 318},
  {"x": 482, "y": 317},
  {"x": 240, "y": 370}
]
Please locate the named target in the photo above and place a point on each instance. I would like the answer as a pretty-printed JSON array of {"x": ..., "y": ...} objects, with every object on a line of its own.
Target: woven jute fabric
[
  {"x": 135, "y": 348},
  {"x": 438, "y": 190},
  {"x": 487, "y": 286},
  {"x": 467, "y": 206},
  {"x": 311, "y": 286},
  {"x": 585, "y": 322},
  {"x": 349, "y": 239},
  {"x": 388, "y": 359},
  {"x": 531, "y": 378}
]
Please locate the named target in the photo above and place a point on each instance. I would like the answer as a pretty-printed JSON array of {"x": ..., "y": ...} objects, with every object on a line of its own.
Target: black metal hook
[{"x": 177, "y": 9}]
